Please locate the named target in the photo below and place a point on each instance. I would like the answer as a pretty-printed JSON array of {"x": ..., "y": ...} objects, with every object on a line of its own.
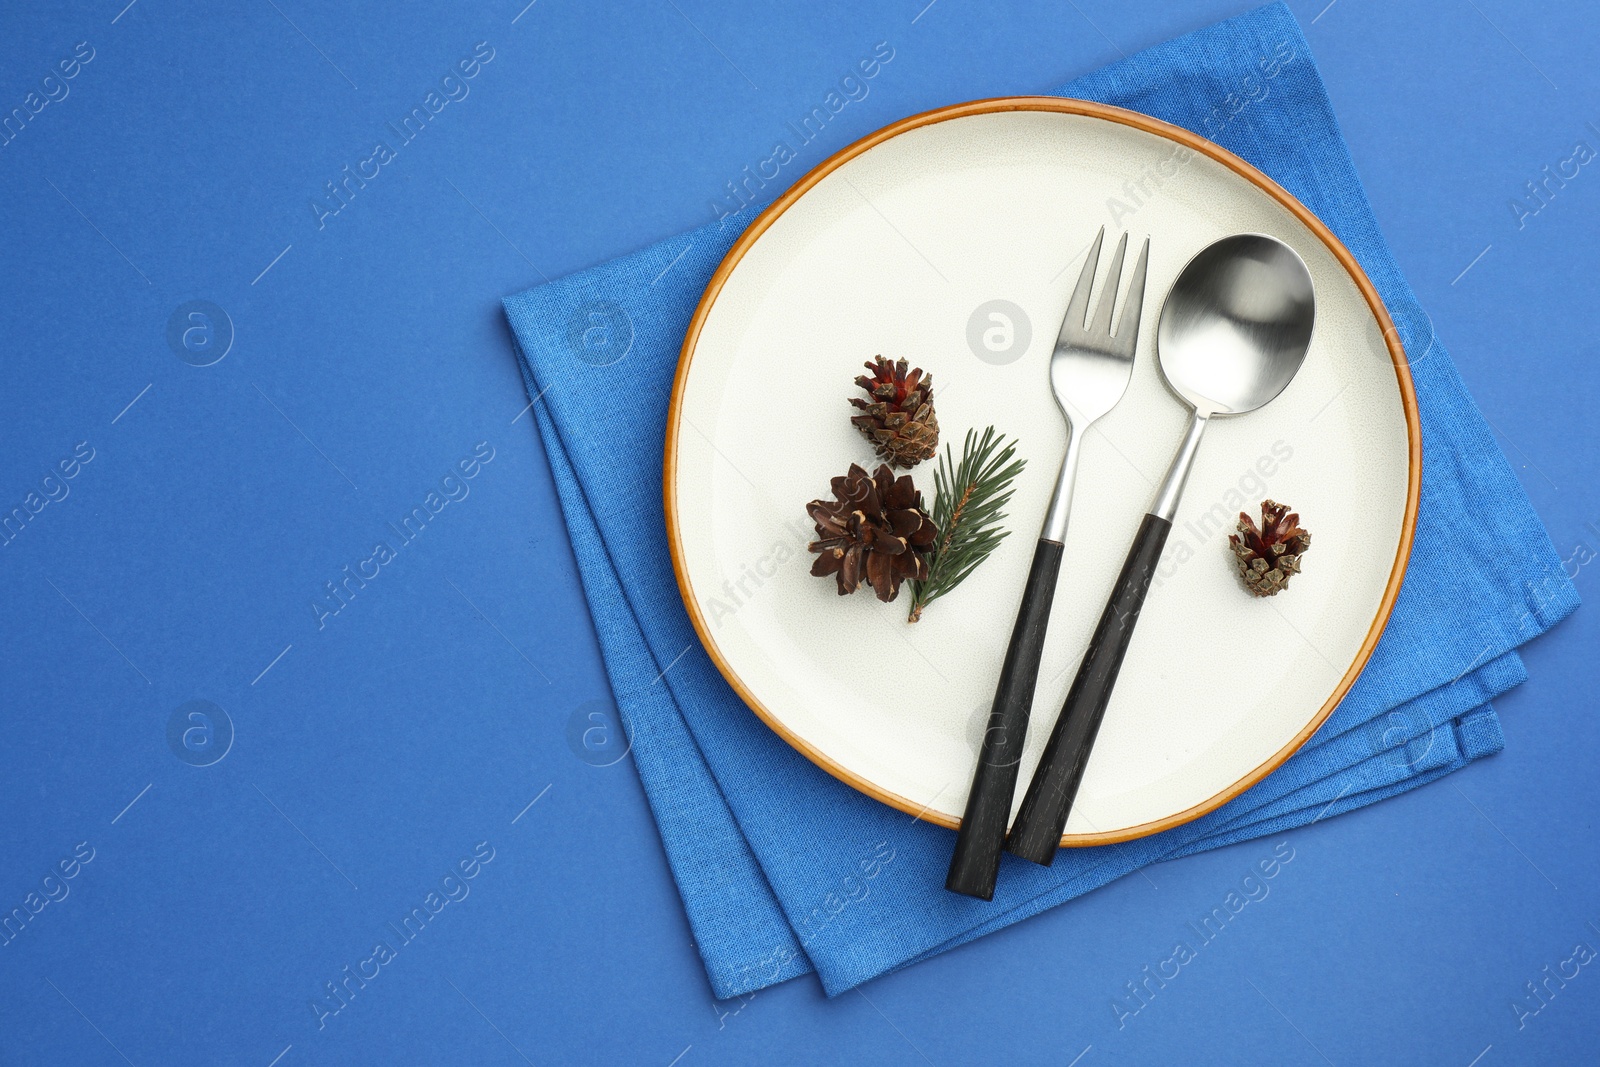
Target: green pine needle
[{"x": 967, "y": 512}]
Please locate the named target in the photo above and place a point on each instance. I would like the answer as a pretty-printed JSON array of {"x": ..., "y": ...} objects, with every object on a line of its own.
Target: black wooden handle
[
  {"x": 983, "y": 827},
  {"x": 1043, "y": 815}
]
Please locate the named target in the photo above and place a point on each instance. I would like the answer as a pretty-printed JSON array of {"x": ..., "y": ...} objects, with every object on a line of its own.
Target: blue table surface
[{"x": 192, "y": 875}]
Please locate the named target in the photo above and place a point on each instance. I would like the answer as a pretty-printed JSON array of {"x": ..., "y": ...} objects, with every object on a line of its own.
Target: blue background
[{"x": 370, "y": 755}]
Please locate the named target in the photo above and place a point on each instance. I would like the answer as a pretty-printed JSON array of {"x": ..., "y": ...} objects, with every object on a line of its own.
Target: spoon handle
[
  {"x": 1037, "y": 831},
  {"x": 976, "y": 862},
  {"x": 1043, "y": 816}
]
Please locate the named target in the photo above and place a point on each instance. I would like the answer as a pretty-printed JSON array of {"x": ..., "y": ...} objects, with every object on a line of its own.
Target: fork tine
[
  {"x": 1078, "y": 310},
  {"x": 1101, "y": 326},
  {"x": 1128, "y": 328}
]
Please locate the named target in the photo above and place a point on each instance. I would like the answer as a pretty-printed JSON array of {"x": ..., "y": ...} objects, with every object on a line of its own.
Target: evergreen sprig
[{"x": 967, "y": 507}]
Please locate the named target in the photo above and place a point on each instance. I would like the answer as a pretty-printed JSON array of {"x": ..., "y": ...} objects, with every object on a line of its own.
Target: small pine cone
[
  {"x": 898, "y": 419},
  {"x": 1269, "y": 555},
  {"x": 874, "y": 530}
]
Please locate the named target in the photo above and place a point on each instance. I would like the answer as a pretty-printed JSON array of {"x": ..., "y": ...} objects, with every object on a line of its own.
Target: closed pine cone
[
  {"x": 1270, "y": 555},
  {"x": 874, "y": 530},
  {"x": 899, "y": 418}
]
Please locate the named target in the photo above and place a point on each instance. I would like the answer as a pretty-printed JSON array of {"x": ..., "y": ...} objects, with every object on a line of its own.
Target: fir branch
[{"x": 967, "y": 509}]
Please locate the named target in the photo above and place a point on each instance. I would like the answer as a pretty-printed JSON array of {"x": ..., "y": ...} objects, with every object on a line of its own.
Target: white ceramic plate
[{"x": 901, "y": 245}]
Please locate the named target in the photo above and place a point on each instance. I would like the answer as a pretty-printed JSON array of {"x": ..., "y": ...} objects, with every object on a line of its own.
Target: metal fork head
[{"x": 1091, "y": 366}]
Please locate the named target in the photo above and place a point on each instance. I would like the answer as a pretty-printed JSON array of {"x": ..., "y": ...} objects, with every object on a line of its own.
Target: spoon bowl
[{"x": 1236, "y": 325}]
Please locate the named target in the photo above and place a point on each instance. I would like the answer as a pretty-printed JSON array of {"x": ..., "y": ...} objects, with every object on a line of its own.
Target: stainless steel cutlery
[
  {"x": 1234, "y": 330},
  {"x": 1089, "y": 372}
]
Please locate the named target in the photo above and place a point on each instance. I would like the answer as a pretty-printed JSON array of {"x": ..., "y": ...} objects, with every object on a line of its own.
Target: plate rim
[{"x": 1148, "y": 124}]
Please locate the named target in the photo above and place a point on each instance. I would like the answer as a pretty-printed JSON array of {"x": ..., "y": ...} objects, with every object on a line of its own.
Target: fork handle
[
  {"x": 976, "y": 862},
  {"x": 1043, "y": 815}
]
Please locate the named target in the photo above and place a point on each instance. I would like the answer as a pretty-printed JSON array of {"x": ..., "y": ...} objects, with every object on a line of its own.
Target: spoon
[{"x": 1234, "y": 330}]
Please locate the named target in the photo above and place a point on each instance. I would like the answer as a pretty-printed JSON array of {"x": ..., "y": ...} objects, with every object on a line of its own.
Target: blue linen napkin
[{"x": 785, "y": 870}]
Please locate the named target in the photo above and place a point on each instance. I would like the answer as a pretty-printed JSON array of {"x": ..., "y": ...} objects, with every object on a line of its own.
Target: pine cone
[
  {"x": 899, "y": 419},
  {"x": 1270, "y": 555},
  {"x": 875, "y": 529}
]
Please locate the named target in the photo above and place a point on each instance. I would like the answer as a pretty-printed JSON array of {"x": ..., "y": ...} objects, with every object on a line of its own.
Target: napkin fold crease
[{"x": 785, "y": 870}]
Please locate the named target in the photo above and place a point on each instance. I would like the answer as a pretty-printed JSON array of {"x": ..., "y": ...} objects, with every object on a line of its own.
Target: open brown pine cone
[
  {"x": 874, "y": 530},
  {"x": 1269, "y": 555}
]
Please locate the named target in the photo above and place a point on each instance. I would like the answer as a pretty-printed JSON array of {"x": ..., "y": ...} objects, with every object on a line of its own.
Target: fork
[{"x": 1089, "y": 372}]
